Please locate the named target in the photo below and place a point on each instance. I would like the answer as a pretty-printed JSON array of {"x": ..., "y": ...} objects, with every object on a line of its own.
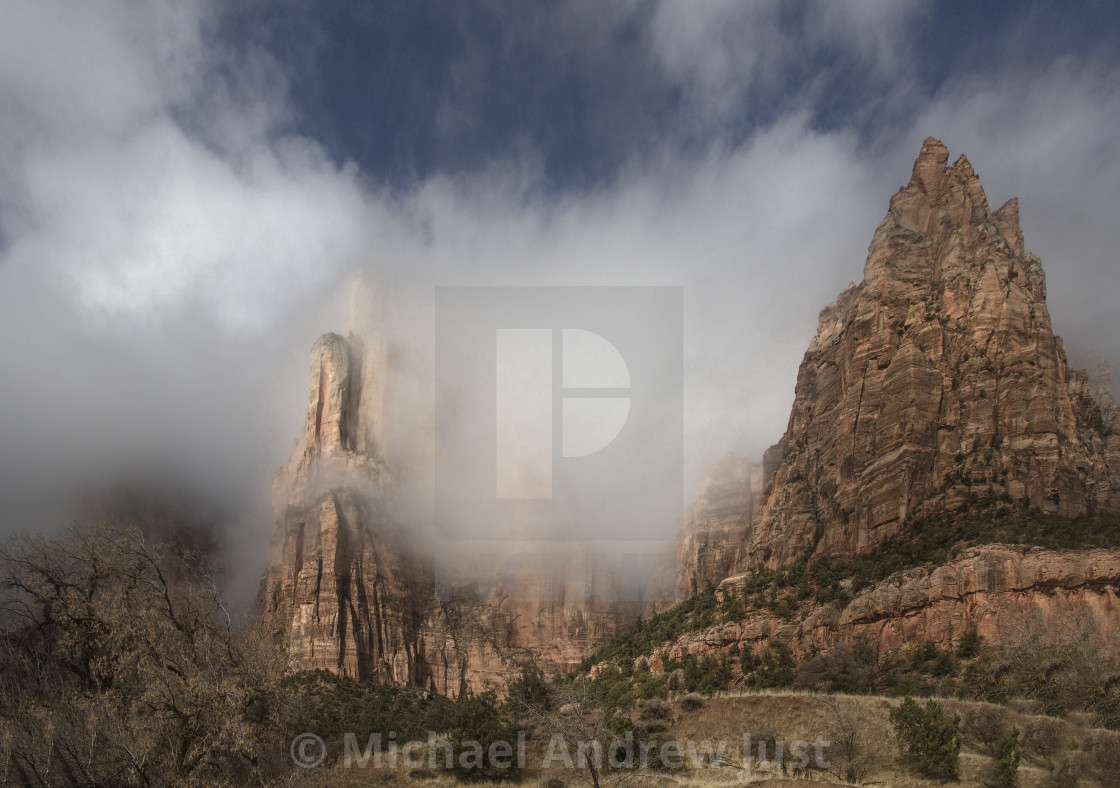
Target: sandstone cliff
[
  {"x": 1001, "y": 591},
  {"x": 346, "y": 587},
  {"x": 352, "y": 590},
  {"x": 340, "y": 585},
  {"x": 715, "y": 528},
  {"x": 934, "y": 382}
]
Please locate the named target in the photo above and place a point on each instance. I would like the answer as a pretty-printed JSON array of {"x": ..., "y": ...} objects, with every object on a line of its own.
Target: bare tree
[
  {"x": 119, "y": 667},
  {"x": 1075, "y": 668},
  {"x": 856, "y": 746},
  {"x": 590, "y": 733},
  {"x": 985, "y": 724}
]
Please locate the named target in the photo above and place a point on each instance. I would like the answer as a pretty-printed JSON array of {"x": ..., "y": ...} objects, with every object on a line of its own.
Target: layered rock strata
[
  {"x": 934, "y": 383},
  {"x": 715, "y": 528},
  {"x": 351, "y": 589},
  {"x": 1003, "y": 592}
]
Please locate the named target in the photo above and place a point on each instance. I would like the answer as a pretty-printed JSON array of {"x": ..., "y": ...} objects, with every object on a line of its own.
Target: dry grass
[{"x": 792, "y": 715}]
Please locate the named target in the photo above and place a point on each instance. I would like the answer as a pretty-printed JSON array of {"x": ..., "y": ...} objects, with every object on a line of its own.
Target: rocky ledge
[{"x": 1001, "y": 591}]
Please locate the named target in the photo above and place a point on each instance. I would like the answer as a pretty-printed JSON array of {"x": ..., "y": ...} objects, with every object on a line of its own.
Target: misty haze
[{"x": 559, "y": 394}]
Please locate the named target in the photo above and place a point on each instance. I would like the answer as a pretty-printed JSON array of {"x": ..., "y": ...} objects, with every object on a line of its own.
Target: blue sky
[
  {"x": 408, "y": 90},
  {"x": 187, "y": 188}
]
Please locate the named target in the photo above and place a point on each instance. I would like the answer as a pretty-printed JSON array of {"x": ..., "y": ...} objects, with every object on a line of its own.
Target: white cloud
[
  {"x": 141, "y": 226},
  {"x": 164, "y": 246},
  {"x": 877, "y": 31},
  {"x": 728, "y": 55},
  {"x": 169, "y": 245},
  {"x": 713, "y": 50}
]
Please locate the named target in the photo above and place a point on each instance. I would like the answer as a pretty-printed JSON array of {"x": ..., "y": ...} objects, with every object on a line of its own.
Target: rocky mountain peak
[
  {"x": 351, "y": 588},
  {"x": 934, "y": 384},
  {"x": 929, "y": 167},
  {"x": 333, "y": 412},
  {"x": 341, "y": 582},
  {"x": 1007, "y": 220}
]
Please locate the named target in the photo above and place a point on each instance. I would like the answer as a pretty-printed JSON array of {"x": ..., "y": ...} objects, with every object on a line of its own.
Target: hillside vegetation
[
  {"x": 928, "y": 542},
  {"x": 121, "y": 667},
  {"x": 1077, "y": 671}
]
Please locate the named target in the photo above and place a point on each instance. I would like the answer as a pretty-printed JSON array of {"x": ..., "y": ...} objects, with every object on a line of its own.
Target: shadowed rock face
[
  {"x": 935, "y": 382},
  {"x": 349, "y": 588}
]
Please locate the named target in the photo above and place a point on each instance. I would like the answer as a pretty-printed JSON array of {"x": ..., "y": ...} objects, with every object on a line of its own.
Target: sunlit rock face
[
  {"x": 353, "y": 590},
  {"x": 341, "y": 586},
  {"x": 1005, "y": 593},
  {"x": 934, "y": 383}
]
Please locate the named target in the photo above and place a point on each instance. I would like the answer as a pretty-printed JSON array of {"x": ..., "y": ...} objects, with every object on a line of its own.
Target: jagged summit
[
  {"x": 339, "y": 583},
  {"x": 334, "y": 412},
  {"x": 935, "y": 383},
  {"x": 935, "y": 380},
  {"x": 1007, "y": 220},
  {"x": 350, "y": 589},
  {"x": 929, "y": 167}
]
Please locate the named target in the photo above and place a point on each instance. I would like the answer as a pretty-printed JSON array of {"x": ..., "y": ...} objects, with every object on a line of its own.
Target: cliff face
[
  {"x": 1001, "y": 591},
  {"x": 715, "y": 528},
  {"x": 340, "y": 584},
  {"x": 935, "y": 381},
  {"x": 350, "y": 589},
  {"x": 345, "y": 586}
]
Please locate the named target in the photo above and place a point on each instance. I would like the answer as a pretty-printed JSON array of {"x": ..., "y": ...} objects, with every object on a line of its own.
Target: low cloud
[{"x": 171, "y": 244}]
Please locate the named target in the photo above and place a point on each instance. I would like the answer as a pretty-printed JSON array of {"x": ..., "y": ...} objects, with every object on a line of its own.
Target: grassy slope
[{"x": 792, "y": 715}]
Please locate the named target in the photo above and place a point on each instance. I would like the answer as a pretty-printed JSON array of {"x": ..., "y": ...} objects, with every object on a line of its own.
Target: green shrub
[
  {"x": 923, "y": 653},
  {"x": 693, "y": 675},
  {"x": 929, "y": 741},
  {"x": 691, "y": 702},
  {"x": 1005, "y": 768},
  {"x": 783, "y": 607},
  {"x": 480, "y": 722},
  {"x": 331, "y": 706},
  {"x": 531, "y": 689},
  {"x": 970, "y": 644},
  {"x": 775, "y": 669},
  {"x": 733, "y": 609},
  {"x": 715, "y": 674}
]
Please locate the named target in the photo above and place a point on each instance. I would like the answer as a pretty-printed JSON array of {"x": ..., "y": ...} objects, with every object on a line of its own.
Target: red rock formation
[
  {"x": 715, "y": 529},
  {"x": 936, "y": 380},
  {"x": 352, "y": 592},
  {"x": 1002, "y": 591},
  {"x": 340, "y": 584}
]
